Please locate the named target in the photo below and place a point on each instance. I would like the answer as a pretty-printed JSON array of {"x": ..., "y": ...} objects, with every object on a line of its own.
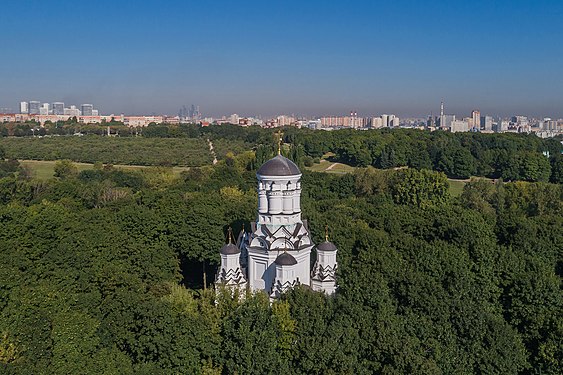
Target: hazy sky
[{"x": 266, "y": 57}]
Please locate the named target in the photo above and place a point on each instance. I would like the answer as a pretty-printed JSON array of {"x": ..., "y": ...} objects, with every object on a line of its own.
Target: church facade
[{"x": 276, "y": 254}]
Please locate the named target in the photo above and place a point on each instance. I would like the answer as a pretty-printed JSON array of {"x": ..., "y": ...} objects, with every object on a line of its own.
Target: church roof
[
  {"x": 326, "y": 246},
  {"x": 285, "y": 259},
  {"x": 279, "y": 166},
  {"x": 230, "y": 249}
]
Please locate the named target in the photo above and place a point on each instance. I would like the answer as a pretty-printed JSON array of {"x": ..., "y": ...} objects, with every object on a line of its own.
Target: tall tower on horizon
[{"x": 442, "y": 115}]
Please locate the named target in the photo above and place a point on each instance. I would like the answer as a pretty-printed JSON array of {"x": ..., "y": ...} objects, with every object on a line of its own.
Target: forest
[{"x": 102, "y": 271}]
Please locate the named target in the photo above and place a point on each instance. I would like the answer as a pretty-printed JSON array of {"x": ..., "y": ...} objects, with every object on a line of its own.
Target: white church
[{"x": 276, "y": 254}]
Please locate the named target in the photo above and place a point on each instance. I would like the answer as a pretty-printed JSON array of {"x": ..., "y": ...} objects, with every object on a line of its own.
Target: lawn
[
  {"x": 44, "y": 170},
  {"x": 456, "y": 187},
  {"x": 330, "y": 167}
]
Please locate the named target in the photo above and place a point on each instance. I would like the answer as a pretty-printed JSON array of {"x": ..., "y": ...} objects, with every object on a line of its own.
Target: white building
[
  {"x": 276, "y": 254},
  {"x": 72, "y": 111},
  {"x": 458, "y": 126},
  {"x": 44, "y": 109},
  {"x": 24, "y": 107},
  {"x": 376, "y": 122}
]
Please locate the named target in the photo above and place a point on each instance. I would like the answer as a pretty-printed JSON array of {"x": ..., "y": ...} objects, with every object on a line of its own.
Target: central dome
[{"x": 279, "y": 166}]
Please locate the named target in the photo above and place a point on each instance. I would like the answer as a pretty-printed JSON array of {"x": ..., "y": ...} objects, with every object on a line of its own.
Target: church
[{"x": 276, "y": 254}]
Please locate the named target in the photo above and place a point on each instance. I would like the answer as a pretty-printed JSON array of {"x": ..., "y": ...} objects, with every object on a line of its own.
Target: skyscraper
[
  {"x": 44, "y": 109},
  {"x": 476, "y": 119},
  {"x": 24, "y": 107},
  {"x": 487, "y": 123},
  {"x": 87, "y": 109},
  {"x": 442, "y": 116},
  {"x": 34, "y": 107},
  {"x": 58, "y": 108}
]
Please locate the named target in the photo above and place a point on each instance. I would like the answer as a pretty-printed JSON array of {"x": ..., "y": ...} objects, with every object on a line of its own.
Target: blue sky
[{"x": 267, "y": 57}]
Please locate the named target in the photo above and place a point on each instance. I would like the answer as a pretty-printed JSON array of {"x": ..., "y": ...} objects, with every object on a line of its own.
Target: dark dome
[
  {"x": 279, "y": 166},
  {"x": 326, "y": 246},
  {"x": 285, "y": 259},
  {"x": 230, "y": 249}
]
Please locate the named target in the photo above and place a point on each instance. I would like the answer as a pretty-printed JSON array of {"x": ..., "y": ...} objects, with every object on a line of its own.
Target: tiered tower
[
  {"x": 323, "y": 276},
  {"x": 276, "y": 254},
  {"x": 231, "y": 274}
]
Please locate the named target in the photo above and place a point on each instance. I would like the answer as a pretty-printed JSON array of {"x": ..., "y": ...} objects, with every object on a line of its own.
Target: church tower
[
  {"x": 323, "y": 276},
  {"x": 231, "y": 274},
  {"x": 276, "y": 254},
  {"x": 279, "y": 230}
]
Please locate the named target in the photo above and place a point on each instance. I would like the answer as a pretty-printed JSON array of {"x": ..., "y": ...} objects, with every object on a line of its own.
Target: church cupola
[
  {"x": 286, "y": 277},
  {"x": 230, "y": 273},
  {"x": 279, "y": 192},
  {"x": 323, "y": 276}
]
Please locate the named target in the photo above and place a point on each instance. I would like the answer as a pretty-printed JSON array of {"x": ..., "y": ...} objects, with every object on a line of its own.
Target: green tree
[
  {"x": 65, "y": 169},
  {"x": 557, "y": 169},
  {"x": 420, "y": 188}
]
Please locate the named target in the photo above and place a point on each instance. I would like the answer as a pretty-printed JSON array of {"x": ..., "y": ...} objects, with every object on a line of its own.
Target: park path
[
  {"x": 212, "y": 150},
  {"x": 331, "y": 166}
]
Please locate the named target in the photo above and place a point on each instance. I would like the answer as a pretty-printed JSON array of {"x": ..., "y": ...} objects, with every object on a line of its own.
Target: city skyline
[{"x": 305, "y": 58}]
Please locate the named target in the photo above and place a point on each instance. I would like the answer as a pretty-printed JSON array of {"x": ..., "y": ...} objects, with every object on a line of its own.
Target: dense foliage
[
  {"x": 110, "y": 150},
  {"x": 101, "y": 272}
]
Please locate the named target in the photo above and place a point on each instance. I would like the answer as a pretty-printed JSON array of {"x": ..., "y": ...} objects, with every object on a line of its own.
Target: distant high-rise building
[
  {"x": 24, "y": 107},
  {"x": 445, "y": 121},
  {"x": 503, "y": 126},
  {"x": 58, "y": 108},
  {"x": 459, "y": 126},
  {"x": 376, "y": 122},
  {"x": 72, "y": 111},
  {"x": 34, "y": 107},
  {"x": 384, "y": 120},
  {"x": 233, "y": 119},
  {"x": 442, "y": 120},
  {"x": 487, "y": 123},
  {"x": 87, "y": 109},
  {"x": 44, "y": 109},
  {"x": 476, "y": 119}
]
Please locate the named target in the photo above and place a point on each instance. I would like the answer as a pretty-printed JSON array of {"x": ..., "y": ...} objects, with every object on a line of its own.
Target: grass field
[
  {"x": 456, "y": 187},
  {"x": 45, "y": 170},
  {"x": 329, "y": 167}
]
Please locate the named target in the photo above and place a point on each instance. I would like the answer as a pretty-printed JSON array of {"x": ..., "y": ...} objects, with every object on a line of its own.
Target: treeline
[
  {"x": 512, "y": 157},
  {"x": 110, "y": 150},
  {"x": 101, "y": 273}
]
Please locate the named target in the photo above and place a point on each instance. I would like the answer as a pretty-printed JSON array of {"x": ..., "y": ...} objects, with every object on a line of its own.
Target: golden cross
[
  {"x": 279, "y": 134},
  {"x": 230, "y": 230},
  {"x": 326, "y": 233}
]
